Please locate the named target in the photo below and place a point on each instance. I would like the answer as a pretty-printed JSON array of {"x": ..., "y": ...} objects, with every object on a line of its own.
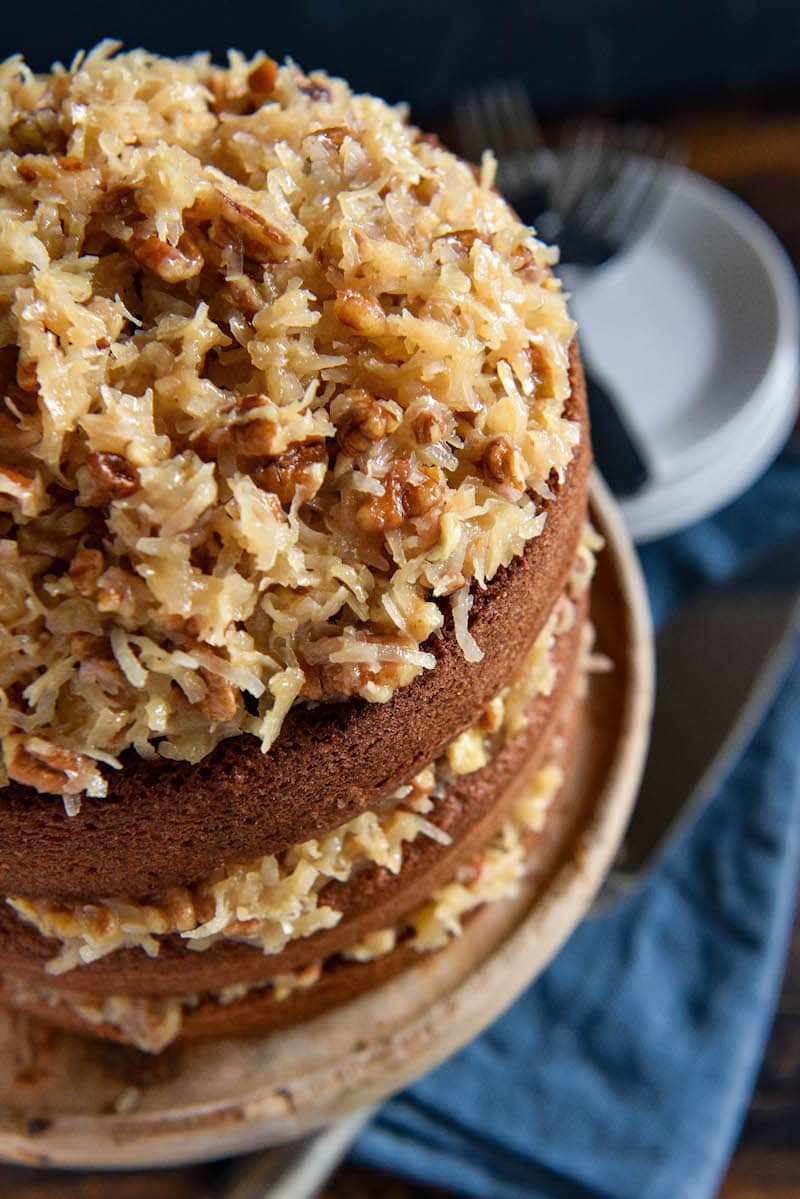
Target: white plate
[{"x": 696, "y": 328}]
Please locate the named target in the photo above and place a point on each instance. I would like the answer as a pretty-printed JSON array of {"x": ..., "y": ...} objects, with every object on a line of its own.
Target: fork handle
[{"x": 616, "y": 453}]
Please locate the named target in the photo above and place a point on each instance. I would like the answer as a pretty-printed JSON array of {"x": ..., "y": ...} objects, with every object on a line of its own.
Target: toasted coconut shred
[{"x": 277, "y": 374}]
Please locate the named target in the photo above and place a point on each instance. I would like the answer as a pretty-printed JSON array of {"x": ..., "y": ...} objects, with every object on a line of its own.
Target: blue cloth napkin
[{"x": 626, "y": 1069}]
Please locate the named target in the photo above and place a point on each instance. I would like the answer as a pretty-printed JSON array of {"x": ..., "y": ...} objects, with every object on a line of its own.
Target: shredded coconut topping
[{"x": 276, "y": 374}]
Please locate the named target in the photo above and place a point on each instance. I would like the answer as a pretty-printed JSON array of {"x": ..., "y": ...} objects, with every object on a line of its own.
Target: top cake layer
[{"x": 276, "y": 374}]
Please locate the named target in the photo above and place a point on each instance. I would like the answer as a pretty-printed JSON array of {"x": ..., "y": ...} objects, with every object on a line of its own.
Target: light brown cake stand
[{"x": 69, "y": 1101}]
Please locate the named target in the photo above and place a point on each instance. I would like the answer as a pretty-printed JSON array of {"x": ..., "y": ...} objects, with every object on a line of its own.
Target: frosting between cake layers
[{"x": 153, "y": 1023}]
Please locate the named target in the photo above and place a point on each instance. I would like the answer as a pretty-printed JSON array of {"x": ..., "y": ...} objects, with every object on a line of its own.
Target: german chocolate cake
[{"x": 293, "y": 486}]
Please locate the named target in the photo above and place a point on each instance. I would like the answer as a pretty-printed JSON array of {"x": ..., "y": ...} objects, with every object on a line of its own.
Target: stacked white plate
[{"x": 696, "y": 331}]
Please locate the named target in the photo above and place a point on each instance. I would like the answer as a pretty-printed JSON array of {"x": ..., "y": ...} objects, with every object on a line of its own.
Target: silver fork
[
  {"x": 605, "y": 191},
  {"x": 500, "y": 117},
  {"x": 592, "y": 197},
  {"x": 596, "y": 193}
]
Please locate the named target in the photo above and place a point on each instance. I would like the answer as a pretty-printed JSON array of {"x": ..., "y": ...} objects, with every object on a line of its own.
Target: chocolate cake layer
[
  {"x": 469, "y": 812},
  {"x": 261, "y": 1011},
  {"x": 168, "y": 823}
]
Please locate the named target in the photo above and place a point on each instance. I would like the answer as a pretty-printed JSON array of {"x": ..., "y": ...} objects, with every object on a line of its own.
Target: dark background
[{"x": 616, "y": 54}]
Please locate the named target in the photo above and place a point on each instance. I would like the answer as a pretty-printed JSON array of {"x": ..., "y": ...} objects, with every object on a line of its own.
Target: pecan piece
[
  {"x": 362, "y": 419},
  {"x": 173, "y": 264},
  {"x": 249, "y": 403},
  {"x": 523, "y": 263},
  {"x": 257, "y": 235},
  {"x": 298, "y": 472},
  {"x": 362, "y": 313},
  {"x": 409, "y": 491},
  {"x": 102, "y": 672},
  {"x": 500, "y": 463},
  {"x": 239, "y": 294},
  {"x": 49, "y": 768},
  {"x": 428, "y": 428},
  {"x": 113, "y": 474},
  {"x": 179, "y": 910},
  {"x": 541, "y": 368},
  {"x": 255, "y": 438},
  {"x": 85, "y": 569},
  {"x": 232, "y": 223},
  {"x": 115, "y": 588},
  {"x": 263, "y": 77},
  {"x": 312, "y": 680},
  {"x": 220, "y": 701},
  {"x": 429, "y": 420}
]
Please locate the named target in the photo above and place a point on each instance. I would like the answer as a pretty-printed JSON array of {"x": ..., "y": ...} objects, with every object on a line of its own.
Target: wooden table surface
[{"x": 759, "y": 157}]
